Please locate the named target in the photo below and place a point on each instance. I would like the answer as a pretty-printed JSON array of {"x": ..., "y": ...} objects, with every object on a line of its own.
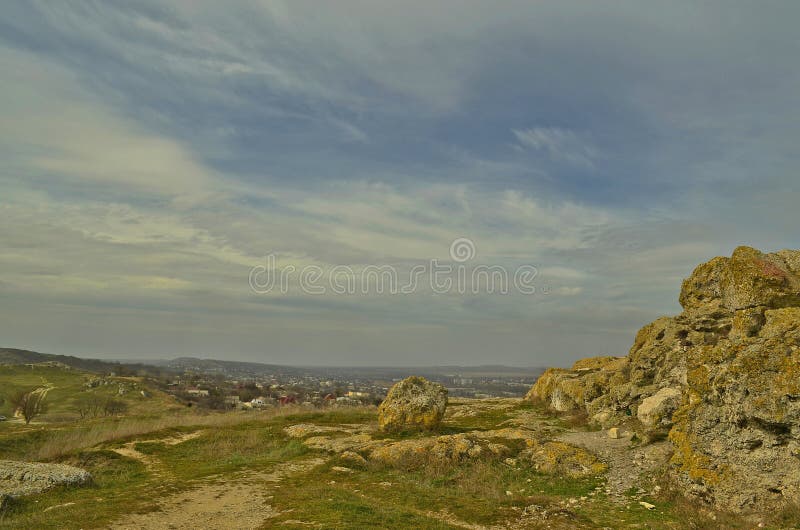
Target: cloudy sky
[{"x": 155, "y": 153}]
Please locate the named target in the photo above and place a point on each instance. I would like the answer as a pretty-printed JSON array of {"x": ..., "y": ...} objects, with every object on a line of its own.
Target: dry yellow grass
[{"x": 62, "y": 441}]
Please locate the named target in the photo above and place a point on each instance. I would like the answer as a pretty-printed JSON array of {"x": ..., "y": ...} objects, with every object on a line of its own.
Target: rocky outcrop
[
  {"x": 723, "y": 377},
  {"x": 27, "y": 478},
  {"x": 413, "y": 404},
  {"x": 513, "y": 446},
  {"x": 588, "y": 380}
]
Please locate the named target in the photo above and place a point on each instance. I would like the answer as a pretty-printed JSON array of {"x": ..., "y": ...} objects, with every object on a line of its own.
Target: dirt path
[
  {"x": 238, "y": 502},
  {"x": 152, "y": 464},
  {"x": 628, "y": 467}
]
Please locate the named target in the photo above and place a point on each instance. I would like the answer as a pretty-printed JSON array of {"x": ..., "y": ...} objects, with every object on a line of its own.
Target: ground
[{"x": 253, "y": 470}]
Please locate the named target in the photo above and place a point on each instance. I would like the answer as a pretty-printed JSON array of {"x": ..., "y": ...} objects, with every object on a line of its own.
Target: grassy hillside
[{"x": 67, "y": 388}]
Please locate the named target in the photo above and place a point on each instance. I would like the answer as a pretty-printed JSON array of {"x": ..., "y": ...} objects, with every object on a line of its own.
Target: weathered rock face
[
  {"x": 588, "y": 380},
  {"x": 27, "y": 478},
  {"x": 413, "y": 404},
  {"x": 724, "y": 376}
]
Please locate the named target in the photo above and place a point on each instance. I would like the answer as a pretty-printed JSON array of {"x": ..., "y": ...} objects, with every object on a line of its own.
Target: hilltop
[{"x": 697, "y": 427}]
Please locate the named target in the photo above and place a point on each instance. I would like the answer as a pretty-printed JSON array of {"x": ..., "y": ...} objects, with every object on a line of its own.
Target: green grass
[
  {"x": 217, "y": 451},
  {"x": 474, "y": 492}
]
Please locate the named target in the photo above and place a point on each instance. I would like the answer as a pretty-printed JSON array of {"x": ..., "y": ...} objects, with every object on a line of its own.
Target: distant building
[
  {"x": 287, "y": 400},
  {"x": 261, "y": 401},
  {"x": 199, "y": 392}
]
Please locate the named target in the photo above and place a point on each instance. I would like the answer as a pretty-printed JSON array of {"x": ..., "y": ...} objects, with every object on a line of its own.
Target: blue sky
[{"x": 155, "y": 152}]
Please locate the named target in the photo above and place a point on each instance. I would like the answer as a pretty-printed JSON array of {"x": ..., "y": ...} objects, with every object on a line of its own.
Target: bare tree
[
  {"x": 29, "y": 403},
  {"x": 113, "y": 407},
  {"x": 89, "y": 406}
]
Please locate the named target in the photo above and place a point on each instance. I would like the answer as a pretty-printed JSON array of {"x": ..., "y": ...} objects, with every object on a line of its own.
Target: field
[{"x": 183, "y": 469}]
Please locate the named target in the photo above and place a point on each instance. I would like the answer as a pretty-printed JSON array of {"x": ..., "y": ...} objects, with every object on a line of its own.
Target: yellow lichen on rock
[
  {"x": 724, "y": 374},
  {"x": 561, "y": 458},
  {"x": 413, "y": 404}
]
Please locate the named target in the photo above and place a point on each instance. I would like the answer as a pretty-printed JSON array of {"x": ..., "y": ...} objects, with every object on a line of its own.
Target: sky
[{"x": 157, "y": 156}]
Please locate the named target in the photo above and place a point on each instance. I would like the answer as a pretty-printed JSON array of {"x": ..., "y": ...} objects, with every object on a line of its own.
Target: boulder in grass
[{"x": 413, "y": 404}]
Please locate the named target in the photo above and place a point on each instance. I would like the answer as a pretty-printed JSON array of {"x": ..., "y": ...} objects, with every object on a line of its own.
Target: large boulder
[
  {"x": 413, "y": 404},
  {"x": 724, "y": 376}
]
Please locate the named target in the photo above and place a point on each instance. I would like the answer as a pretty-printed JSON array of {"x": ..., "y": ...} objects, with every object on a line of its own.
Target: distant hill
[
  {"x": 243, "y": 368},
  {"x": 15, "y": 356}
]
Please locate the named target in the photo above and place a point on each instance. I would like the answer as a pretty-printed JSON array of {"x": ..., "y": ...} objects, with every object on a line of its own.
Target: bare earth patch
[{"x": 241, "y": 500}]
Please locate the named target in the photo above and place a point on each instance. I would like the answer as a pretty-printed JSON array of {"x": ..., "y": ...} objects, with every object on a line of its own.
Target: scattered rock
[
  {"x": 614, "y": 433},
  {"x": 413, "y": 404},
  {"x": 341, "y": 469},
  {"x": 647, "y": 505}
]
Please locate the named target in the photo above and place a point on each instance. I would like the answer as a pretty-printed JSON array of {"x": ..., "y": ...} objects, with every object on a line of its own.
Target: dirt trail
[
  {"x": 628, "y": 467},
  {"x": 152, "y": 464},
  {"x": 238, "y": 502}
]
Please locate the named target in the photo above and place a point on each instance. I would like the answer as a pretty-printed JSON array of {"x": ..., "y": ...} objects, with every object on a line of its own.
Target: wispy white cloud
[{"x": 54, "y": 129}]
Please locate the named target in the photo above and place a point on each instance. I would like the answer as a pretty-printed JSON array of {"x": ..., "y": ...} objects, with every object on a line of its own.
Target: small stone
[
  {"x": 647, "y": 505},
  {"x": 58, "y": 506},
  {"x": 351, "y": 457},
  {"x": 614, "y": 433}
]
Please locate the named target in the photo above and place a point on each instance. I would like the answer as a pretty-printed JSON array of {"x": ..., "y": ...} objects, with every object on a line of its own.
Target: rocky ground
[{"x": 28, "y": 478}]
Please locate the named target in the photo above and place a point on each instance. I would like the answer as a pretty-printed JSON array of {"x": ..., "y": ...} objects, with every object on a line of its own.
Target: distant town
[
  {"x": 219, "y": 385},
  {"x": 225, "y": 384}
]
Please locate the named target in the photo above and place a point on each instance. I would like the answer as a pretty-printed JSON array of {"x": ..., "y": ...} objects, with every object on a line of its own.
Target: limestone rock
[
  {"x": 749, "y": 278},
  {"x": 588, "y": 380},
  {"x": 658, "y": 408},
  {"x": 413, "y": 404},
  {"x": 724, "y": 374},
  {"x": 353, "y": 458},
  {"x": 26, "y": 478},
  {"x": 340, "y": 444}
]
